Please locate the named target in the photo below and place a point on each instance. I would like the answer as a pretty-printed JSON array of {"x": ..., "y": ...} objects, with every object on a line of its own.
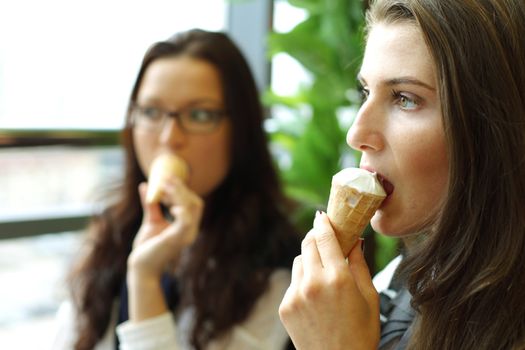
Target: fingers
[
  {"x": 297, "y": 271},
  {"x": 152, "y": 211},
  {"x": 185, "y": 228},
  {"x": 320, "y": 248},
  {"x": 290, "y": 296},
  {"x": 175, "y": 194},
  {"x": 187, "y": 210},
  {"x": 325, "y": 253},
  {"x": 179, "y": 195},
  {"x": 186, "y": 207},
  {"x": 328, "y": 246},
  {"x": 310, "y": 256},
  {"x": 361, "y": 273}
]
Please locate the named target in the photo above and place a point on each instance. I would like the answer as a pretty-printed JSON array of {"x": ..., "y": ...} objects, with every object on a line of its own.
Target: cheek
[
  {"x": 211, "y": 164},
  {"x": 432, "y": 161},
  {"x": 146, "y": 151},
  {"x": 427, "y": 165},
  {"x": 216, "y": 156},
  {"x": 422, "y": 153},
  {"x": 421, "y": 184},
  {"x": 429, "y": 185}
]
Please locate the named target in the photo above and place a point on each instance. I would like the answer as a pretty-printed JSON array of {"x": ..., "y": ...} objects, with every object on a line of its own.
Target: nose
[
  {"x": 366, "y": 132},
  {"x": 172, "y": 134}
]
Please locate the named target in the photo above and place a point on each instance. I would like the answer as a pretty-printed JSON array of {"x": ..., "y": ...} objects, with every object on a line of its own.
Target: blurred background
[{"x": 66, "y": 70}]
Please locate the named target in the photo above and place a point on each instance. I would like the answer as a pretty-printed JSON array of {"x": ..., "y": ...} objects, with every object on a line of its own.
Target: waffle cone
[
  {"x": 163, "y": 167},
  {"x": 350, "y": 212}
]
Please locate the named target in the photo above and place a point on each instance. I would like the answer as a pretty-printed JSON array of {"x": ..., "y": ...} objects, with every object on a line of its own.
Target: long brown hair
[
  {"x": 244, "y": 236},
  {"x": 467, "y": 276}
]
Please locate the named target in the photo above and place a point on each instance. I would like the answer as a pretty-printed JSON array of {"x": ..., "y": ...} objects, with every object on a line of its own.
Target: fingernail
[
  {"x": 362, "y": 242},
  {"x": 317, "y": 213}
]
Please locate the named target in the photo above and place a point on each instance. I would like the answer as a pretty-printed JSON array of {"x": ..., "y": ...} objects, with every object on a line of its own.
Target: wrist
[
  {"x": 145, "y": 296},
  {"x": 140, "y": 280},
  {"x": 140, "y": 268}
]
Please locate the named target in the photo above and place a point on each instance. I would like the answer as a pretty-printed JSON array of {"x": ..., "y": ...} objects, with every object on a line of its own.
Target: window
[
  {"x": 70, "y": 64},
  {"x": 287, "y": 73},
  {"x": 66, "y": 65}
]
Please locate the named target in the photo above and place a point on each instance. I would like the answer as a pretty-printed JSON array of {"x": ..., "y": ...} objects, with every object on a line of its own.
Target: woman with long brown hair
[
  {"x": 207, "y": 268},
  {"x": 443, "y": 125}
]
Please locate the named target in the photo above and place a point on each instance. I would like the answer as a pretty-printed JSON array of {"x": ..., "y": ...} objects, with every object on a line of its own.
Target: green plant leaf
[{"x": 328, "y": 44}]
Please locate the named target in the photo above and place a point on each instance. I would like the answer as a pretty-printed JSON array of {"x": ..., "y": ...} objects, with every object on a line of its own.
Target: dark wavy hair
[
  {"x": 245, "y": 233},
  {"x": 467, "y": 276}
]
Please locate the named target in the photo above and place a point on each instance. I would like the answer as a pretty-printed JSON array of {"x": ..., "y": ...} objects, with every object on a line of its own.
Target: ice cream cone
[
  {"x": 354, "y": 198},
  {"x": 163, "y": 167}
]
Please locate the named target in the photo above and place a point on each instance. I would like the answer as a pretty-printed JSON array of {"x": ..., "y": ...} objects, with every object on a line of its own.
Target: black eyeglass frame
[{"x": 135, "y": 108}]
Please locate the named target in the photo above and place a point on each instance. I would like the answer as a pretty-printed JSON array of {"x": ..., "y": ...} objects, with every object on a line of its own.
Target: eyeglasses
[{"x": 191, "y": 120}]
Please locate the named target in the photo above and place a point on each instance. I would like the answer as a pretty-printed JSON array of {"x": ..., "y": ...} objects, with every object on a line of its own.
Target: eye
[
  {"x": 363, "y": 92},
  {"x": 202, "y": 115},
  {"x": 151, "y": 113},
  {"x": 405, "y": 101}
]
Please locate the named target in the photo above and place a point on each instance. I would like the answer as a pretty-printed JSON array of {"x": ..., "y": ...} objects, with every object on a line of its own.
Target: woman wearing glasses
[{"x": 207, "y": 270}]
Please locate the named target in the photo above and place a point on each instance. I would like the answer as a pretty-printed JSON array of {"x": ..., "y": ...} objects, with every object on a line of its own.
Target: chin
[{"x": 386, "y": 228}]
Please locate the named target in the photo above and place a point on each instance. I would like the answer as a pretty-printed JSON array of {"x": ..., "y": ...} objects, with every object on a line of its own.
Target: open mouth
[{"x": 387, "y": 185}]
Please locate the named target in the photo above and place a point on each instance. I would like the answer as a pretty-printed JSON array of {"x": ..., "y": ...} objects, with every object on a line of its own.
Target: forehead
[
  {"x": 180, "y": 78},
  {"x": 397, "y": 50}
]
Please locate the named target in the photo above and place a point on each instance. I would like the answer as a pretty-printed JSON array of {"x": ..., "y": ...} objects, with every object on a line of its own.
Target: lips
[{"x": 387, "y": 185}]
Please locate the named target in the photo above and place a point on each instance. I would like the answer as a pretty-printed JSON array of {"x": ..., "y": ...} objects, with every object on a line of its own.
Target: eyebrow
[
  {"x": 192, "y": 103},
  {"x": 401, "y": 80}
]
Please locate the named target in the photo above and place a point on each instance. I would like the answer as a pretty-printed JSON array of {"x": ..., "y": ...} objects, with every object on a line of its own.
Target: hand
[
  {"x": 331, "y": 303},
  {"x": 159, "y": 242}
]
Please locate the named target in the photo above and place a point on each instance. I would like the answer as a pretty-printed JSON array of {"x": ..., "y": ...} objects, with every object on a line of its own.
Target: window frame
[{"x": 248, "y": 23}]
